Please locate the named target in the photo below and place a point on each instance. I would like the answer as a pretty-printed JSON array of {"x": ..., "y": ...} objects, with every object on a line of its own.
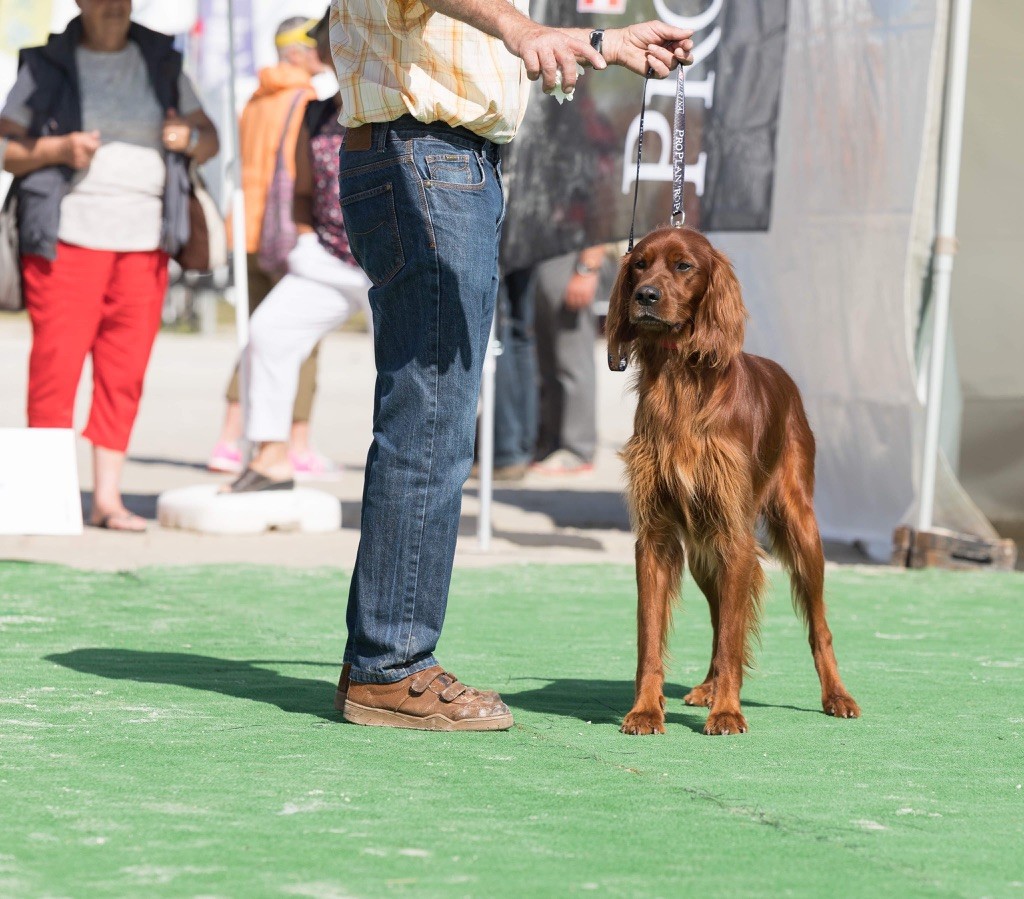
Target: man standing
[
  {"x": 270, "y": 125},
  {"x": 430, "y": 89}
]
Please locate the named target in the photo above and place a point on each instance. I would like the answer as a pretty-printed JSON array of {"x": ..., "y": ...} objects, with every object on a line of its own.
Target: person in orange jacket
[{"x": 270, "y": 125}]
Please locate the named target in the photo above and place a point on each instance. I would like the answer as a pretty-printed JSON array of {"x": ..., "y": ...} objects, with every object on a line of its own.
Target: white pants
[{"x": 319, "y": 293}]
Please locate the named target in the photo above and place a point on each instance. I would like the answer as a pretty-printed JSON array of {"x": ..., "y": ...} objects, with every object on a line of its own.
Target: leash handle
[{"x": 678, "y": 155}]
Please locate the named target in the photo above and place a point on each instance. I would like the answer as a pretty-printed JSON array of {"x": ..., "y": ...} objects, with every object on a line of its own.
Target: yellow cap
[{"x": 298, "y": 35}]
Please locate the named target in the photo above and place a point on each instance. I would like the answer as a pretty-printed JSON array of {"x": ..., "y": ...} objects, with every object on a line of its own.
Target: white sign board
[{"x": 39, "y": 482}]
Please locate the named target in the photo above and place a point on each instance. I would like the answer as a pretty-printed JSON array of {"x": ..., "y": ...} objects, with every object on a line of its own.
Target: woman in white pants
[{"x": 324, "y": 287}]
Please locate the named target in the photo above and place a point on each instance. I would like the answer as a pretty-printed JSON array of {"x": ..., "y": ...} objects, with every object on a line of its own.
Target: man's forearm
[{"x": 498, "y": 18}]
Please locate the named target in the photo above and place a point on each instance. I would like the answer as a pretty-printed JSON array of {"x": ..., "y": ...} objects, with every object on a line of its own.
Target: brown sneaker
[
  {"x": 342, "y": 691},
  {"x": 431, "y": 699}
]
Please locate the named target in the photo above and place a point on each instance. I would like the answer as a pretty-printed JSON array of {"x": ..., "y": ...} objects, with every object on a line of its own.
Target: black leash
[{"x": 678, "y": 155}]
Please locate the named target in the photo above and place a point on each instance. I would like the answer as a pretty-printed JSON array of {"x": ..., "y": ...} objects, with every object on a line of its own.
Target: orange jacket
[{"x": 260, "y": 132}]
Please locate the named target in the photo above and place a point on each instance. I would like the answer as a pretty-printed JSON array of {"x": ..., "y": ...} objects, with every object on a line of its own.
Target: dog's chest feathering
[{"x": 678, "y": 458}]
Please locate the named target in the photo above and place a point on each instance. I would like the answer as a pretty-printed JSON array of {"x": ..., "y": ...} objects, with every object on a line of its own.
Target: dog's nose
[{"x": 648, "y": 295}]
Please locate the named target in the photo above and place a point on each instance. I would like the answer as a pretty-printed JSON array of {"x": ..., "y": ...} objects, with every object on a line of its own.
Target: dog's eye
[
  {"x": 640, "y": 264},
  {"x": 683, "y": 266}
]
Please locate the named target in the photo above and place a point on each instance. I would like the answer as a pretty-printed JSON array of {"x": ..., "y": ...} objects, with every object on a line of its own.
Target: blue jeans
[
  {"x": 423, "y": 208},
  {"x": 515, "y": 376}
]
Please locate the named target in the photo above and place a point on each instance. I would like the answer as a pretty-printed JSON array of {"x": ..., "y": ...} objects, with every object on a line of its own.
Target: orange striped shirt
[{"x": 398, "y": 56}]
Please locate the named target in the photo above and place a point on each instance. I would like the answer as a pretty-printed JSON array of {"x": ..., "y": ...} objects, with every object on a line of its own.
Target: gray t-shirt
[{"x": 117, "y": 203}]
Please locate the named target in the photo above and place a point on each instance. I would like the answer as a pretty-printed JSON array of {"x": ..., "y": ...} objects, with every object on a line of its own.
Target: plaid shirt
[{"x": 398, "y": 56}]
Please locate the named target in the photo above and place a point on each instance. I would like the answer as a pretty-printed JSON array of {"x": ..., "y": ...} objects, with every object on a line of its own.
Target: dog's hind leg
[
  {"x": 659, "y": 567},
  {"x": 793, "y": 529},
  {"x": 703, "y": 694}
]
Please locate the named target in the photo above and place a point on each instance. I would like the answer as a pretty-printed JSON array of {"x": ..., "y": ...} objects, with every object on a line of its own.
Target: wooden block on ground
[{"x": 939, "y": 548}]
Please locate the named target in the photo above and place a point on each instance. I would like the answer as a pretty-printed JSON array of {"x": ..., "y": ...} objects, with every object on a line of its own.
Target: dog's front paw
[
  {"x": 640, "y": 723},
  {"x": 725, "y": 723},
  {"x": 700, "y": 695},
  {"x": 841, "y": 705}
]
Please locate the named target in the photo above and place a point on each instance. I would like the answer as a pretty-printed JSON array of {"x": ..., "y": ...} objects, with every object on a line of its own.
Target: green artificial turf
[{"x": 170, "y": 733}]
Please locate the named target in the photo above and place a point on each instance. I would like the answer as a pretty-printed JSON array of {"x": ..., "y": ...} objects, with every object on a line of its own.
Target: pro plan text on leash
[{"x": 720, "y": 441}]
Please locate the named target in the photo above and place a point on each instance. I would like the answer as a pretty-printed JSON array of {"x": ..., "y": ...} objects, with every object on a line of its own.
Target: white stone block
[{"x": 202, "y": 508}]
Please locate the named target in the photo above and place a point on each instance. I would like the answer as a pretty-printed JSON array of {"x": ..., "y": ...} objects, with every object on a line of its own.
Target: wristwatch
[
  {"x": 597, "y": 39},
  {"x": 584, "y": 269}
]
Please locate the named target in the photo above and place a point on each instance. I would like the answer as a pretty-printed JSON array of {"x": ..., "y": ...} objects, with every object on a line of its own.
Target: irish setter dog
[{"x": 720, "y": 441}]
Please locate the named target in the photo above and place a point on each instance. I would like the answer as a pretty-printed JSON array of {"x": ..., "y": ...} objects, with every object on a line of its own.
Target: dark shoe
[
  {"x": 431, "y": 699},
  {"x": 251, "y": 481}
]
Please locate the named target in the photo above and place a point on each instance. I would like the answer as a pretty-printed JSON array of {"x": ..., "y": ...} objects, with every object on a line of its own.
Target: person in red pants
[{"x": 102, "y": 126}]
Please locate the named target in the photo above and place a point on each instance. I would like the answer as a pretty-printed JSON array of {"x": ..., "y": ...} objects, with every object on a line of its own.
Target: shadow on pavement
[
  {"x": 174, "y": 463},
  {"x": 586, "y": 509},
  {"x": 469, "y": 526},
  {"x": 143, "y": 504},
  {"x": 241, "y": 679}
]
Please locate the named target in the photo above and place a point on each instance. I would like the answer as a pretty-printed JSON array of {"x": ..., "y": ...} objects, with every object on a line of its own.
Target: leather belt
[{"x": 361, "y": 137}]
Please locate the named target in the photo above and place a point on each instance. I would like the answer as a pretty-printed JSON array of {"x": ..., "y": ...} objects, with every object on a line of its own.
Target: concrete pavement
[{"x": 579, "y": 519}]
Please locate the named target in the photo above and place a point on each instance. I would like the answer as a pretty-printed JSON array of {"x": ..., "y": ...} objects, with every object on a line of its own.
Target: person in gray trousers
[{"x": 566, "y": 331}]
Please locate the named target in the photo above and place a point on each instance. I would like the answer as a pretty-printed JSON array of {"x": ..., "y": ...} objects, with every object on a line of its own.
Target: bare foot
[{"x": 120, "y": 520}]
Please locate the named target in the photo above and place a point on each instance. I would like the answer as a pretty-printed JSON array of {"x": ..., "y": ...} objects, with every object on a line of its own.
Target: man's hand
[
  {"x": 580, "y": 291},
  {"x": 582, "y": 287},
  {"x": 547, "y": 51},
  {"x": 78, "y": 148},
  {"x": 649, "y": 45}
]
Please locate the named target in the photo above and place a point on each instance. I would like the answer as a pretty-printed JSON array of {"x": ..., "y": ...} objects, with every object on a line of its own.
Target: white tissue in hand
[{"x": 557, "y": 92}]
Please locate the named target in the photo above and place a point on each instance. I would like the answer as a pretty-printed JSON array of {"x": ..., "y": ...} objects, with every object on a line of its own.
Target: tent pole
[
  {"x": 238, "y": 242},
  {"x": 945, "y": 246}
]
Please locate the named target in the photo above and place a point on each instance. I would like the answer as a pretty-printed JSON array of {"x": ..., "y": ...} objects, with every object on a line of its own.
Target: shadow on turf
[
  {"x": 595, "y": 701},
  {"x": 241, "y": 679},
  {"x": 608, "y": 701}
]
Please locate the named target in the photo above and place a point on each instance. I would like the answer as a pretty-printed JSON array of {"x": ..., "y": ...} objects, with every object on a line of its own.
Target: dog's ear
[
  {"x": 617, "y": 327},
  {"x": 720, "y": 322}
]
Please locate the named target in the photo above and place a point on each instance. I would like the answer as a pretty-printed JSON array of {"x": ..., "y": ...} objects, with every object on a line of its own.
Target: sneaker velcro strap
[
  {"x": 453, "y": 691},
  {"x": 419, "y": 684}
]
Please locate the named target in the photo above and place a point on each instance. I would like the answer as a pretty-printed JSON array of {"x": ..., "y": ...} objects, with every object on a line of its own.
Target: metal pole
[
  {"x": 945, "y": 246},
  {"x": 238, "y": 243},
  {"x": 486, "y": 453}
]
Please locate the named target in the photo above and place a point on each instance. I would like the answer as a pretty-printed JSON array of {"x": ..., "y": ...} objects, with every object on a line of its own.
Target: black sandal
[{"x": 251, "y": 481}]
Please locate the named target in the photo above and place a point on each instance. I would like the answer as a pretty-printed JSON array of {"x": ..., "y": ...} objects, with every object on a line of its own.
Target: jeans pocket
[
  {"x": 373, "y": 234},
  {"x": 461, "y": 171}
]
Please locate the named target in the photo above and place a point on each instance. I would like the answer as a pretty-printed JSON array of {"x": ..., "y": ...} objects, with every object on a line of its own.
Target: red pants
[{"x": 94, "y": 301}]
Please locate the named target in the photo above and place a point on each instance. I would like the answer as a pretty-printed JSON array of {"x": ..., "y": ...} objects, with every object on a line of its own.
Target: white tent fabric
[
  {"x": 988, "y": 291},
  {"x": 834, "y": 288}
]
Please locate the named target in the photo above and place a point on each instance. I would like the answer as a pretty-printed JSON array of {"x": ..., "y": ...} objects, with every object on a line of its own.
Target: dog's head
[{"x": 676, "y": 291}]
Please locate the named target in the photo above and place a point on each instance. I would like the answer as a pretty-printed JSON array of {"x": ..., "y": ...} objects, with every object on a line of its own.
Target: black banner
[{"x": 571, "y": 169}]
